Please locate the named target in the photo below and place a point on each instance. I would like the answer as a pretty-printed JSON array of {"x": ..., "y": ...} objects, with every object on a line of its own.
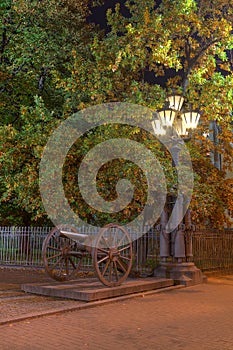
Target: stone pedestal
[{"x": 185, "y": 273}]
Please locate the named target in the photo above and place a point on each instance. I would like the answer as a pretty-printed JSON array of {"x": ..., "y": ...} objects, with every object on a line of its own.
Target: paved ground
[
  {"x": 14, "y": 303},
  {"x": 199, "y": 317}
]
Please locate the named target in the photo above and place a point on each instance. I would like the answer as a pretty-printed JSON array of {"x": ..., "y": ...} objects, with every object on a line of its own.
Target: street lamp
[
  {"x": 166, "y": 117},
  {"x": 173, "y": 116},
  {"x": 177, "y": 244},
  {"x": 191, "y": 119},
  {"x": 175, "y": 101}
]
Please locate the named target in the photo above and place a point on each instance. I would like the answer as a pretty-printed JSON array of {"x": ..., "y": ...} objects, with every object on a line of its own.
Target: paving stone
[{"x": 194, "y": 318}]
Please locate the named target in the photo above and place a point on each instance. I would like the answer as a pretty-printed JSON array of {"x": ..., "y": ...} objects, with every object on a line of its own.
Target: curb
[{"x": 89, "y": 305}]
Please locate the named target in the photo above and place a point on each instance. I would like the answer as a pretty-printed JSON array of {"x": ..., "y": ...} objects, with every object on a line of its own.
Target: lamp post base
[{"x": 185, "y": 273}]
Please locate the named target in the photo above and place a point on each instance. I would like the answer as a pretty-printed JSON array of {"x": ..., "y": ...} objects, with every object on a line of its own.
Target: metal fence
[
  {"x": 212, "y": 250},
  {"x": 22, "y": 246}
]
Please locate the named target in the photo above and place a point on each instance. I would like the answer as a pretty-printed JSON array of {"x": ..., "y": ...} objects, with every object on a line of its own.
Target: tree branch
[{"x": 191, "y": 62}]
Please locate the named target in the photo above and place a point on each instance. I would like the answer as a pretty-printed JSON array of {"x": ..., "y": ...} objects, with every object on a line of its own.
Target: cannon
[{"x": 65, "y": 250}]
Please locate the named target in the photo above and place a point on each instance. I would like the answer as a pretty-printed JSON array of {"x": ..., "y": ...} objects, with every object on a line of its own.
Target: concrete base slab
[
  {"x": 186, "y": 274},
  {"x": 91, "y": 289}
]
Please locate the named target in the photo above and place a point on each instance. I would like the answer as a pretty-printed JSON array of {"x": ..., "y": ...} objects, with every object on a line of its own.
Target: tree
[
  {"x": 184, "y": 45},
  {"x": 37, "y": 38},
  {"x": 187, "y": 46}
]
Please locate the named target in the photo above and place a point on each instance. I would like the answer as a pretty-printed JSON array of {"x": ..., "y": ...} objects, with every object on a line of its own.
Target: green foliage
[
  {"x": 36, "y": 42},
  {"x": 37, "y": 38},
  {"x": 111, "y": 172},
  {"x": 20, "y": 154},
  {"x": 53, "y": 63}
]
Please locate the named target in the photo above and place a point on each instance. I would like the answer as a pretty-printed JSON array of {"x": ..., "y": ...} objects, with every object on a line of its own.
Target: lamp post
[
  {"x": 176, "y": 246},
  {"x": 173, "y": 116}
]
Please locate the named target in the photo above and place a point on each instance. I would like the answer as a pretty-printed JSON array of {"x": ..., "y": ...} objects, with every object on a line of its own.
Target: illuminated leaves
[{"x": 49, "y": 50}]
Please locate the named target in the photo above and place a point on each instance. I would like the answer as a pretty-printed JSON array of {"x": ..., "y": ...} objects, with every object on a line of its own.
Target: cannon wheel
[
  {"x": 112, "y": 255},
  {"x": 60, "y": 256}
]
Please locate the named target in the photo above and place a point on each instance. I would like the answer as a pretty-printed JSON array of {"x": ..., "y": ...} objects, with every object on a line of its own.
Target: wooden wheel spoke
[
  {"x": 105, "y": 267},
  {"x": 53, "y": 248},
  {"x": 54, "y": 256},
  {"x": 103, "y": 250},
  {"x": 103, "y": 259},
  {"x": 115, "y": 269},
  {"x": 121, "y": 264},
  {"x": 72, "y": 253},
  {"x": 125, "y": 257},
  {"x": 110, "y": 272},
  {"x": 72, "y": 263},
  {"x": 67, "y": 266},
  {"x": 124, "y": 248},
  {"x": 56, "y": 263}
]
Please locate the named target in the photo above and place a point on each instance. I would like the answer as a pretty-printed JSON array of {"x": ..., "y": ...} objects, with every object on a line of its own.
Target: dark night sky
[
  {"x": 99, "y": 13},
  {"x": 98, "y": 16}
]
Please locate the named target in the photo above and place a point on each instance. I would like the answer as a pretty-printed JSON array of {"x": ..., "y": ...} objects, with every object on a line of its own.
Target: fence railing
[
  {"x": 22, "y": 246},
  {"x": 212, "y": 250}
]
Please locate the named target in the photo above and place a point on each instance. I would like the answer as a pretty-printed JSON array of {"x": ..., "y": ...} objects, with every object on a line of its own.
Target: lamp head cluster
[{"x": 172, "y": 116}]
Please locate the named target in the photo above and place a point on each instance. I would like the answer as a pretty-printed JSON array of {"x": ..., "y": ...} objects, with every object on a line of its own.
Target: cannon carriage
[{"x": 65, "y": 250}]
